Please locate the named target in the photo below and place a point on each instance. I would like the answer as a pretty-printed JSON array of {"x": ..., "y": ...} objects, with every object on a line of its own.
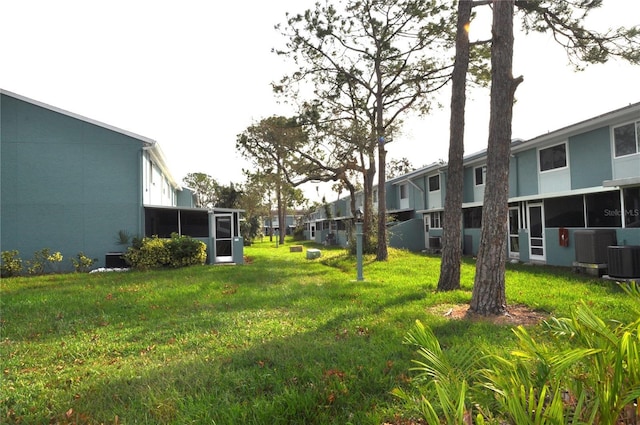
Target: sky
[{"x": 193, "y": 74}]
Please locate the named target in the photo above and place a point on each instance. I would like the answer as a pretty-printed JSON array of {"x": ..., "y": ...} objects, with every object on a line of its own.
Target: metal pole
[{"x": 359, "y": 250}]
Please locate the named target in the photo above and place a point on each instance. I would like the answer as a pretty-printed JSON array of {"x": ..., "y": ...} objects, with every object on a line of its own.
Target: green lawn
[{"x": 281, "y": 340}]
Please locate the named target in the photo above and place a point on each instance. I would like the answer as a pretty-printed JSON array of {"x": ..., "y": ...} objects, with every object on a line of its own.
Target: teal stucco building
[
  {"x": 71, "y": 184},
  {"x": 572, "y": 191}
]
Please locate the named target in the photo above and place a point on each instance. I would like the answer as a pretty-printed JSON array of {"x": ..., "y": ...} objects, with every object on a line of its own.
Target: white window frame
[
  {"x": 404, "y": 191},
  {"x": 566, "y": 158},
  {"x": 436, "y": 220},
  {"x": 636, "y": 126}
]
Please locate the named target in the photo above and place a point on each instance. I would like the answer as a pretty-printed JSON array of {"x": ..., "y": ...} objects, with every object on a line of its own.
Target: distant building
[{"x": 562, "y": 185}]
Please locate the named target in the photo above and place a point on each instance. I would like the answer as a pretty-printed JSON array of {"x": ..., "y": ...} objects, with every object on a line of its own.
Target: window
[
  {"x": 603, "y": 209},
  {"x": 564, "y": 212},
  {"x": 480, "y": 175},
  {"x": 631, "y": 197},
  {"x": 404, "y": 191},
  {"x": 434, "y": 183},
  {"x": 472, "y": 218},
  {"x": 553, "y": 158},
  {"x": 436, "y": 220},
  {"x": 627, "y": 139}
]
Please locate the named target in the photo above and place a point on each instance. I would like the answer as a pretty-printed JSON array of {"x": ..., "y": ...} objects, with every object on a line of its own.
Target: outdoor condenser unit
[
  {"x": 624, "y": 261},
  {"x": 434, "y": 242},
  {"x": 591, "y": 245}
]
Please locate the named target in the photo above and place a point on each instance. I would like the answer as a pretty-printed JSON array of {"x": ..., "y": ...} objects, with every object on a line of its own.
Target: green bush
[
  {"x": 179, "y": 251},
  {"x": 44, "y": 261},
  {"x": 82, "y": 263},
  {"x": 11, "y": 264},
  {"x": 186, "y": 251},
  {"x": 151, "y": 253}
]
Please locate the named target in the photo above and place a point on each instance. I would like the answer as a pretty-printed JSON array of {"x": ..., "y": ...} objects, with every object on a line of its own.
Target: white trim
[
  {"x": 542, "y": 196},
  {"x": 612, "y": 130},
  {"x": 532, "y": 257},
  {"x": 630, "y": 181},
  {"x": 484, "y": 175},
  {"x": 439, "y": 183}
]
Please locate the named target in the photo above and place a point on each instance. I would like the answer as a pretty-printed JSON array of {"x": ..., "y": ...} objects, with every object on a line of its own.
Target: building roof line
[{"x": 144, "y": 139}]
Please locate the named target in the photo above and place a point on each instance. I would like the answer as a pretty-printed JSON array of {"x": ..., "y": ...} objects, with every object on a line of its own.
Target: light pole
[{"x": 359, "y": 215}]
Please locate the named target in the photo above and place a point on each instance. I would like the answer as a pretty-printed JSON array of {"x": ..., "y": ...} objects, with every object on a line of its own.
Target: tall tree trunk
[
  {"x": 451, "y": 232},
  {"x": 369, "y": 175},
  {"x": 382, "y": 254},
  {"x": 488, "y": 295},
  {"x": 281, "y": 213}
]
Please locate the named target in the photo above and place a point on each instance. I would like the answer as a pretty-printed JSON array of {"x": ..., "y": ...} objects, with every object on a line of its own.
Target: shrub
[
  {"x": 151, "y": 253},
  {"x": 82, "y": 263},
  {"x": 179, "y": 251},
  {"x": 11, "y": 264},
  {"x": 43, "y": 261},
  {"x": 186, "y": 251}
]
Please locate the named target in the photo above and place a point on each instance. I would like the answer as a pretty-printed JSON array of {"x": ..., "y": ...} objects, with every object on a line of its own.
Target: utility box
[
  {"x": 115, "y": 260},
  {"x": 624, "y": 261},
  {"x": 238, "y": 250},
  {"x": 591, "y": 245},
  {"x": 313, "y": 253}
]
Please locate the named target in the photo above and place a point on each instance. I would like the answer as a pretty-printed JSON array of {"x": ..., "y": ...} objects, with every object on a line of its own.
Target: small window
[
  {"x": 434, "y": 183},
  {"x": 404, "y": 192},
  {"x": 436, "y": 220},
  {"x": 627, "y": 139},
  {"x": 480, "y": 175},
  {"x": 553, "y": 158}
]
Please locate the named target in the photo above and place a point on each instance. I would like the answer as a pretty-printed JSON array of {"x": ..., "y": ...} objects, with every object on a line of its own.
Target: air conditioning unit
[
  {"x": 624, "y": 261},
  {"x": 591, "y": 245},
  {"x": 434, "y": 242}
]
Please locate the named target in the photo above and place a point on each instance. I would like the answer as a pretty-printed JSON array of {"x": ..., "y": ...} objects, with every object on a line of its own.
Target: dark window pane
[
  {"x": 625, "y": 139},
  {"x": 553, "y": 157},
  {"x": 160, "y": 222},
  {"x": 564, "y": 212},
  {"x": 194, "y": 223},
  {"x": 632, "y": 206},
  {"x": 535, "y": 218},
  {"x": 603, "y": 210},
  {"x": 223, "y": 227},
  {"x": 472, "y": 218},
  {"x": 513, "y": 222},
  {"x": 480, "y": 171},
  {"x": 223, "y": 248},
  {"x": 434, "y": 183}
]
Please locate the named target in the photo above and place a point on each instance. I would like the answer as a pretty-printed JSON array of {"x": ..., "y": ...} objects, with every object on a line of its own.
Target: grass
[{"x": 281, "y": 340}]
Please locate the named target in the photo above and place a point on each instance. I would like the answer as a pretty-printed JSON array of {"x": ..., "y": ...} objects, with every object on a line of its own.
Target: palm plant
[{"x": 449, "y": 377}]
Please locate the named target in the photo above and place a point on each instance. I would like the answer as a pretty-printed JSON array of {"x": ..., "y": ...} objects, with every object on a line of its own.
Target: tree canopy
[{"x": 368, "y": 63}]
